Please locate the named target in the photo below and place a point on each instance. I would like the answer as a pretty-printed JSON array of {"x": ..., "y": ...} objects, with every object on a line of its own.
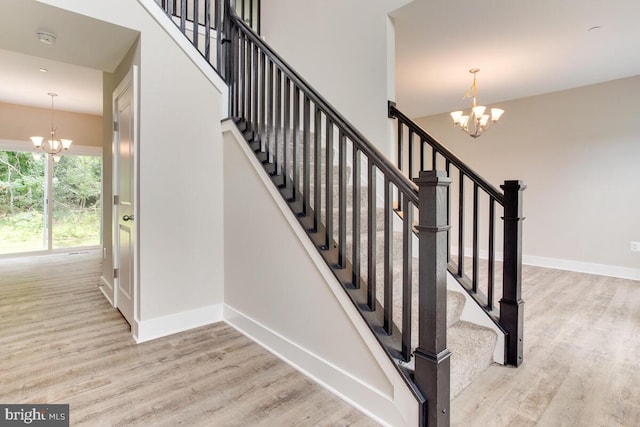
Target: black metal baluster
[
  {"x": 251, "y": 14},
  {"x": 400, "y": 147},
  {"x": 476, "y": 244},
  {"x": 461, "y": 226},
  {"x": 278, "y": 123},
  {"x": 371, "y": 235},
  {"x": 249, "y": 80},
  {"x": 242, "y": 94},
  {"x": 196, "y": 23},
  {"x": 258, "y": 14},
  {"x": 269, "y": 123},
  {"x": 355, "y": 206},
  {"x": 422, "y": 142},
  {"x": 342, "y": 199},
  {"x": 234, "y": 69},
  {"x": 407, "y": 276},
  {"x": 296, "y": 142},
  {"x": 306, "y": 156},
  {"x": 434, "y": 159},
  {"x": 263, "y": 102},
  {"x": 388, "y": 258},
  {"x": 241, "y": 75},
  {"x": 448, "y": 170},
  {"x": 317, "y": 175},
  {"x": 183, "y": 15},
  {"x": 491, "y": 261},
  {"x": 410, "y": 158},
  {"x": 256, "y": 83},
  {"x": 329, "y": 186},
  {"x": 287, "y": 132},
  {"x": 400, "y": 152},
  {"x": 207, "y": 30},
  {"x": 218, "y": 24}
]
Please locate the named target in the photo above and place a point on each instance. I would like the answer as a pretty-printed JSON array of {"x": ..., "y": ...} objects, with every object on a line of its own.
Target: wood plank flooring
[
  {"x": 61, "y": 342},
  {"x": 582, "y": 358}
]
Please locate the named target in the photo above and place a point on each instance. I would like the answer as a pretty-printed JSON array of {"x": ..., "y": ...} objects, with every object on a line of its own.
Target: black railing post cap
[
  {"x": 390, "y": 106},
  {"x": 432, "y": 178},
  {"x": 515, "y": 184}
]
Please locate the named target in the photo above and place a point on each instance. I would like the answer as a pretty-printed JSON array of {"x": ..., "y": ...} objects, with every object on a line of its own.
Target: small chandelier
[
  {"x": 476, "y": 122},
  {"x": 52, "y": 145}
]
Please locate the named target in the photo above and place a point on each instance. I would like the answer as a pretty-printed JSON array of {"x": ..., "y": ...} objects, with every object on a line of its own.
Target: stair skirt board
[
  {"x": 477, "y": 338},
  {"x": 341, "y": 383},
  {"x": 372, "y": 402}
]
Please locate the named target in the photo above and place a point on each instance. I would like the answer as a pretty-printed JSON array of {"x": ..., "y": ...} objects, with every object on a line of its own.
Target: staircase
[
  {"x": 385, "y": 239},
  {"x": 471, "y": 345}
]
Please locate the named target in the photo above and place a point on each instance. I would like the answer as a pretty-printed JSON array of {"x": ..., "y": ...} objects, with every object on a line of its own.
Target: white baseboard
[
  {"x": 108, "y": 294},
  {"x": 583, "y": 267},
  {"x": 151, "y": 329},
  {"x": 347, "y": 387},
  {"x": 567, "y": 264}
]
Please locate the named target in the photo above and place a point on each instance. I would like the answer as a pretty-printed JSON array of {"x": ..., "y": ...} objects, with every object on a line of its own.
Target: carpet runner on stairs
[{"x": 471, "y": 345}]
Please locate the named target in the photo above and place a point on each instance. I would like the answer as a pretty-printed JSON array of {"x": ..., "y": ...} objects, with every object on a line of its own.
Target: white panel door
[{"x": 124, "y": 204}]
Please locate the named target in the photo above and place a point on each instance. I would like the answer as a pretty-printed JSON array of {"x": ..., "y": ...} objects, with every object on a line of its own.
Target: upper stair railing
[
  {"x": 418, "y": 151},
  {"x": 201, "y": 22}
]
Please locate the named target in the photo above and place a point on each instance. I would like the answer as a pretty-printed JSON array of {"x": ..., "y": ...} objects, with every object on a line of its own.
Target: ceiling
[
  {"x": 79, "y": 89},
  {"x": 84, "y": 48},
  {"x": 523, "y": 48}
]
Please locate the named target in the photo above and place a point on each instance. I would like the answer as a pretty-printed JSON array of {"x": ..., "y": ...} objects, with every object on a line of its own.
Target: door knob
[{"x": 127, "y": 218}]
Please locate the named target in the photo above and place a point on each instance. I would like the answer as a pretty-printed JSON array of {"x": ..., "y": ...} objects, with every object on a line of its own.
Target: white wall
[
  {"x": 578, "y": 152},
  {"x": 279, "y": 291},
  {"x": 181, "y": 268},
  {"x": 345, "y": 50}
]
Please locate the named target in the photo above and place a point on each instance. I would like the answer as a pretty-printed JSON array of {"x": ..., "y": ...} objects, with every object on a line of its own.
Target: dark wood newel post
[
  {"x": 511, "y": 304},
  {"x": 432, "y": 370}
]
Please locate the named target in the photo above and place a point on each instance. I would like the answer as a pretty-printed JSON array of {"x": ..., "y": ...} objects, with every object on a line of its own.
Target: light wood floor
[
  {"x": 61, "y": 342},
  {"x": 581, "y": 358}
]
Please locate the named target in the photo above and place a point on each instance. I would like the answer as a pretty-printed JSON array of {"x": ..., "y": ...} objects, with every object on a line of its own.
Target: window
[{"x": 28, "y": 222}]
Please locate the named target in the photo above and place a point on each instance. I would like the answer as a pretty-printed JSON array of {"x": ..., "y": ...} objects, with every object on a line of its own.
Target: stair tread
[
  {"x": 471, "y": 347},
  {"x": 455, "y": 306}
]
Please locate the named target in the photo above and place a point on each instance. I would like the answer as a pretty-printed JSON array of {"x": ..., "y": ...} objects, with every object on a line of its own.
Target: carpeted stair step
[
  {"x": 471, "y": 349},
  {"x": 455, "y": 300},
  {"x": 364, "y": 223}
]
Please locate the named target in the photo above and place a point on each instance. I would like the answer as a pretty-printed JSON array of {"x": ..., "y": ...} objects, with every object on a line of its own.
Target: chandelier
[
  {"x": 52, "y": 145},
  {"x": 476, "y": 122}
]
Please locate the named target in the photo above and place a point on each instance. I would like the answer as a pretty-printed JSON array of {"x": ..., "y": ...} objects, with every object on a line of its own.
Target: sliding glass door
[
  {"x": 77, "y": 203},
  {"x": 46, "y": 204},
  {"x": 22, "y": 203}
]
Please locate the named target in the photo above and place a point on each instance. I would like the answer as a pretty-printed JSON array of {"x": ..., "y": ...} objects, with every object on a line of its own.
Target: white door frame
[{"x": 130, "y": 80}]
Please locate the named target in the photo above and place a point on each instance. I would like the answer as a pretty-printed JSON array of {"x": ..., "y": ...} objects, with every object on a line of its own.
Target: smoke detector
[{"x": 46, "y": 38}]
